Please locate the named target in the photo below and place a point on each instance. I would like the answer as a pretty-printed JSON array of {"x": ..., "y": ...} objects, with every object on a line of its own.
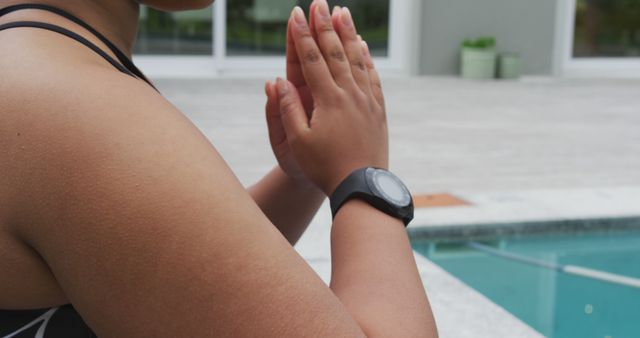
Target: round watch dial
[{"x": 389, "y": 187}]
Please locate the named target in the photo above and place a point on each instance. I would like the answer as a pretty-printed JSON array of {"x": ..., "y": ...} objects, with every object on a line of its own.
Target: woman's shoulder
[
  {"x": 52, "y": 101},
  {"x": 69, "y": 124},
  {"x": 65, "y": 114},
  {"x": 49, "y": 70},
  {"x": 64, "y": 86}
]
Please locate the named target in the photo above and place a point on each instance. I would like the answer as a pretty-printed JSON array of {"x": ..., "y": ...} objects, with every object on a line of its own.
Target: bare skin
[{"x": 112, "y": 200}]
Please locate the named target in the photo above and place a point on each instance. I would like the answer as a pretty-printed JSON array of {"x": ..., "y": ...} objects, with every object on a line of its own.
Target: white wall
[{"x": 527, "y": 27}]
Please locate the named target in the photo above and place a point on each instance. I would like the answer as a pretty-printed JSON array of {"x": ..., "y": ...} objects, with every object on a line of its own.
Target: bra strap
[
  {"x": 118, "y": 53},
  {"x": 68, "y": 33}
]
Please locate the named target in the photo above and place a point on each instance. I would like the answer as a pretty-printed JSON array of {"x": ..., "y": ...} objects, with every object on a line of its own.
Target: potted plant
[
  {"x": 509, "y": 66},
  {"x": 478, "y": 59}
]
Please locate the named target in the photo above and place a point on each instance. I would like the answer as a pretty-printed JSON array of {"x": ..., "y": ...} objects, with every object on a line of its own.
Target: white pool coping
[{"x": 533, "y": 206}]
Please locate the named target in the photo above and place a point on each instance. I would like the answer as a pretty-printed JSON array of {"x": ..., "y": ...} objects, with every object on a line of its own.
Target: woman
[{"x": 112, "y": 201}]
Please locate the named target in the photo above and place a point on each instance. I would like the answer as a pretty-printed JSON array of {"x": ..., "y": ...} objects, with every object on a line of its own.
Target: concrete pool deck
[
  {"x": 532, "y": 211},
  {"x": 535, "y": 149}
]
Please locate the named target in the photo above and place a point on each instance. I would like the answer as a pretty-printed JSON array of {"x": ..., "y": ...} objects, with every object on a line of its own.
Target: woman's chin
[{"x": 177, "y": 5}]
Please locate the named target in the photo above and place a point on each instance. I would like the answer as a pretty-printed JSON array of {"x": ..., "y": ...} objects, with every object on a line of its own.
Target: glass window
[
  {"x": 178, "y": 33},
  {"x": 607, "y": 28},
  {"x": 259, "y": 27}
]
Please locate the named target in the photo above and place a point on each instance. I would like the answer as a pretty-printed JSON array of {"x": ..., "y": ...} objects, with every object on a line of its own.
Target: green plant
[{"x": 480, "y": 43}]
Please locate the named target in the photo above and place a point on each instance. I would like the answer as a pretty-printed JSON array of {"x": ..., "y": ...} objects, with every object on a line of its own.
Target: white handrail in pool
[
  {"x": 602, "y": 275},
  {"x": 569, "y": 269}
]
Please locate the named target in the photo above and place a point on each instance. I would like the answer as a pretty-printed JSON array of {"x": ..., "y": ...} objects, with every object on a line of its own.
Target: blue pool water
[{"x": 556, "y": 304}]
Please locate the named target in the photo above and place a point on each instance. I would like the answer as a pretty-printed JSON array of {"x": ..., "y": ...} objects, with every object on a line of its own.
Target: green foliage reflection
[
  {"x": 188, "y": 32},
  {"x": 259, "y": 26},
  {"x": 607, "y": 28}
]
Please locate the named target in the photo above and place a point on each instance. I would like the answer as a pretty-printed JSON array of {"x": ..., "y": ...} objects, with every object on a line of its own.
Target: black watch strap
[{"x": 356, "y": 186}]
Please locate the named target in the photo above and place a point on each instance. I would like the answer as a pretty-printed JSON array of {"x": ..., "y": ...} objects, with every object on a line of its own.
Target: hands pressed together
[{"x": 328, "y": 118}]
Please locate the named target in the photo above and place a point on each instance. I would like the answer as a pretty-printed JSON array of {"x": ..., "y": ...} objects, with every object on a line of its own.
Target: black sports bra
[
  {"x": 59, "y": 322},
  {"x": 63, "y": 321}
]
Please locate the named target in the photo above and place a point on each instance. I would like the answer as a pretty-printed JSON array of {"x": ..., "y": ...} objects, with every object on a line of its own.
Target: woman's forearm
[
  {"x": 287, "y": 204},
  {"x": 375, "y": 274}
]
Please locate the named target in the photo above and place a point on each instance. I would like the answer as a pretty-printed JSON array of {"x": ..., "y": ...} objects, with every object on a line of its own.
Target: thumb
[{"x": 294, "y": 118}]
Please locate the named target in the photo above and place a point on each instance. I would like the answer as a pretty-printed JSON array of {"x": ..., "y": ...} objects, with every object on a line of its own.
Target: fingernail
[
  {"x": 282, "y": 87},
  {"x": 298, "y": 16},
  {"x": 360, "y": 37},
  {"x": 366, "y": 48},
  {"x": 335, "y": 9},
  {"x": 323, "y": 10},
  {"x": 346, "y": 16}
]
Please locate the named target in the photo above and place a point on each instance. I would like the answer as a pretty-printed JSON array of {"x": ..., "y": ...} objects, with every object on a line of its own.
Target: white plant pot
[
  {"x": 509, "y": 66},
  {"x": 478, "y": 64}
]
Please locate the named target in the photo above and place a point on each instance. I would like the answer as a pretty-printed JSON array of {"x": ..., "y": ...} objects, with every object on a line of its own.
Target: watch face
[{"x": 389, "y": 187}]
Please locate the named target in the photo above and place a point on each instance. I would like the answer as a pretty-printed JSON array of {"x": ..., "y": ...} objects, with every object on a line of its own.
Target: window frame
[
  {"x": 568, "y": 65},
  {"x": 219, "y": 64}
]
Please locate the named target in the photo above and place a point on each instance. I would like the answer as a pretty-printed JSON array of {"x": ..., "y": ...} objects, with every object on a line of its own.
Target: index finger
[{"x": 294, "y": 68}]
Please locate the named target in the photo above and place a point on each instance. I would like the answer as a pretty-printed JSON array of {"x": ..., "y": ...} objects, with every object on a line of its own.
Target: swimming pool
[{"x": 523, "y": 275}]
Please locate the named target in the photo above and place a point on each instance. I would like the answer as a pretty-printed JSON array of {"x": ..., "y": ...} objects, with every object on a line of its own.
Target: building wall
[{"x": 526, "y": 27}]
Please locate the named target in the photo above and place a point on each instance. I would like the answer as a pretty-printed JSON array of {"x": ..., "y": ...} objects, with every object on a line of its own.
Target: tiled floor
[{"x": 449, "y": 135}]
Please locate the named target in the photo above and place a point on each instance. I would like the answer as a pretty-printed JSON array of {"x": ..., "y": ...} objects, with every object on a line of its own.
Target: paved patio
[
  {"x": 516, "y": 150},
  {"x": 448, "y": 134}
]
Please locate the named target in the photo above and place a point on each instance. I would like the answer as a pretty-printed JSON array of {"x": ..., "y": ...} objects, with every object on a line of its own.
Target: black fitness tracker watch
[{"x": 378, "y": 187}]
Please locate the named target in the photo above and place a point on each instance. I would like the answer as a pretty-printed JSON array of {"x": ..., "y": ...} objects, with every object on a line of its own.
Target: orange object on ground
[{"x": 437, "y": 201}]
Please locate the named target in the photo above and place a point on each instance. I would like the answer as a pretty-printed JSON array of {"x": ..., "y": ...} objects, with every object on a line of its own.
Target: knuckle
[
  {"x": 324, "y": 27},
  {"x": 311, "y": 57},
  {"x": 338, "y": 99},
  {"x": 380, "y": 110},
  {"x": 370, "y": 65},
  {"x": 377, "y": 85},
  {"x": 343, "y": 98},
  {"x": 287, "y": 106},
  {"x": 361, "y": 97},
  {"x": 349, "y": 33},
  {"x": 304, "y": 33},
  {"x": 358, "y": 63},
  {"x": 337, "y": 54}
]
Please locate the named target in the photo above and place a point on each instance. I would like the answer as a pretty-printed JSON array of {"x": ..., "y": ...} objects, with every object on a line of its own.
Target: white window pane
[
  {"x": 259, "y": 27},
  {"x": 177, "y": 33}
]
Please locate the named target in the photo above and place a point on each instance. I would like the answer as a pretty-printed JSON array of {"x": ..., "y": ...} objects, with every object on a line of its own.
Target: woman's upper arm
[{"x": 149, "y": 233}]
